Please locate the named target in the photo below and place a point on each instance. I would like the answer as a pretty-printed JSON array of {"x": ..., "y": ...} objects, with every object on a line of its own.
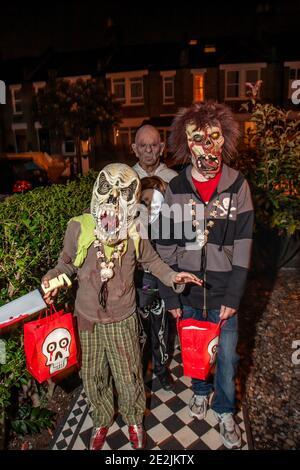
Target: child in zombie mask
[
  {"x": 101, "y": 248},
  {"x": 213, "y": 240}
]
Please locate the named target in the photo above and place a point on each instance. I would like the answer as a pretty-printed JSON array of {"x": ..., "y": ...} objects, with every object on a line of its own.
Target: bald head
[
  {"x": 146, "y": 131},
  {"x": 148, "y": 147}
]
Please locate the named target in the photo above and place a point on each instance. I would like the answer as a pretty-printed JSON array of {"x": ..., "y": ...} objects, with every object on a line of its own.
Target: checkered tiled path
[{"x": 167, "y": 422}]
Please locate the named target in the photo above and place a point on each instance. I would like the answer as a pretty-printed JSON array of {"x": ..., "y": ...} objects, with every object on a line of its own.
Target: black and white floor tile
[{"x": 167, "y": 422}]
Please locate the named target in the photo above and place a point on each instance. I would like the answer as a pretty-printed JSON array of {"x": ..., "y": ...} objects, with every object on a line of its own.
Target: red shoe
[
  {"x": 98, "y": 437},
  {"x": 137, "y": 436}
]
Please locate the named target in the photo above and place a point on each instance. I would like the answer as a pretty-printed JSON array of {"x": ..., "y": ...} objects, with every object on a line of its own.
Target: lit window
[
  {"x": 249, "y": 133},
  {"x": 124, "y": 137},
  {"x": 193, "y": 42},
  {"x": 209, "y": 49},
  {"x": 198, "y": 87}
]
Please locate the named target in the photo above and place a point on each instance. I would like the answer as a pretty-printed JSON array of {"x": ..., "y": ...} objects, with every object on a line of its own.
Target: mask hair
[
  {"x": 207, "y": 113},
  {"x": 153, "y": 182}
]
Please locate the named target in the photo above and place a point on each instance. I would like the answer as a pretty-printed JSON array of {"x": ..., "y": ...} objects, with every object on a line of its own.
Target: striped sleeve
[{"x": 241, "y": 249}]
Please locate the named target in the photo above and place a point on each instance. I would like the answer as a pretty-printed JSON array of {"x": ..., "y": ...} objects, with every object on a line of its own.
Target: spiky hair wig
[{"x": 208, "y": 113}]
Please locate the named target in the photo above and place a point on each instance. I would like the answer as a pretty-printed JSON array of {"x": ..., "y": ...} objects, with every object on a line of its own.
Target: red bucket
[
  {"x": 50, "y": 344},
  {"x": 199, "y": 342}
]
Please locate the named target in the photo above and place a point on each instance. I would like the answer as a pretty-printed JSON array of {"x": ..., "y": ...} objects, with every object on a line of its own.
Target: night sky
[{"x": 29, "y": 28}]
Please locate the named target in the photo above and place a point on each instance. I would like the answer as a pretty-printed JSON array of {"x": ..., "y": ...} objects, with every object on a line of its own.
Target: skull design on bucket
[
  {"x": 56, "y": 348},
  {"x": 212, "y": 349}
]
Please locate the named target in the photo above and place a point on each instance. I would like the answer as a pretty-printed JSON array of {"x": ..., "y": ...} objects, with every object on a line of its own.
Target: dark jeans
[
  {"x": 154, "y": 336},
  {"x": 226, "y": 365}
]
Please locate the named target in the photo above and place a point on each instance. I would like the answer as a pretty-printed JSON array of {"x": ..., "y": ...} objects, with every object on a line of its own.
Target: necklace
[
  {"x": 107, "y": 260},
  {"x": 106, "y": 257},
  {"x": 202, "y": 235}
]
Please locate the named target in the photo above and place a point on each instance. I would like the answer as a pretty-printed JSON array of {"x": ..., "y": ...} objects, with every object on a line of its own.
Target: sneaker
[
  {"x": 229, "y": 430},
  {"x": 137, "y": 436},
  {"x": 98, "y": 438},
  {"x": 198, "y": 406}
]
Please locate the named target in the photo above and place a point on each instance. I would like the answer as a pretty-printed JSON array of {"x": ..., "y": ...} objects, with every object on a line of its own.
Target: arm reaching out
[{"x": 184, "y": 278}]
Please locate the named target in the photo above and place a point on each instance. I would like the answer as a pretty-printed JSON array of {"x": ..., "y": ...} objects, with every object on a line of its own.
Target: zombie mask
[
  {"x": 206, "y": 148},
  {"x": 114, "y": 202}
]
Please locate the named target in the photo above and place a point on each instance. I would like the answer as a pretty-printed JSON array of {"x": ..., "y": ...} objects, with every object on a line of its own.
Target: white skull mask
[
  {"x": 114, "y": 202},
  {"x": 56, "y": 348},
  {"x": 212, "y": 349}
]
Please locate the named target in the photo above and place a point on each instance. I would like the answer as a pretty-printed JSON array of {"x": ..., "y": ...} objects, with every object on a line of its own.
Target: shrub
[
  {"x": 271, "y": 165},
  {"x": 32, "y": 227}
]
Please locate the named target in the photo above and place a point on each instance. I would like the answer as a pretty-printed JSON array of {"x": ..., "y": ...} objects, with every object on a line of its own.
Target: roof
[{"x": 167, "y": 56}]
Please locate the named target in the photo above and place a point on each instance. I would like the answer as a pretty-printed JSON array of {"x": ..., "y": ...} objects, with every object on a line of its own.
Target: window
[
  {"x": 118, "y": 89},
  {"x": 37, "y": 86},
  {"x": 233, "y": 84},
  {"x": 68, "y": 147},
  {"x": 294, "y": 74},
  {"x": 44, "y": 140},
  {"x": 236, "y": 77},
  {"x": 209, "y": 48},
  {"x": 168, "y": 90},
  {"x": 20, "y": 136},
  {"x": 199, "y": 87},
  {"x": 21, "y": 140},
  {"x": 168, "y": 83},
  {"x": 198, "y": 84},
  {"x": 136, "y": 90},
  {"x": 249, "y": 133},
  {"x": 16, "y": 98},
  {"x": 128, "y": 87},
  {"x": 124, "y": 137}
]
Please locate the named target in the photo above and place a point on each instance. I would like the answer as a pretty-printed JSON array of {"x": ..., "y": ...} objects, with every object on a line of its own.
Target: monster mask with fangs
[
  {"x": 205, "y": 134},
  {"x": 206, "y": 148},
  {"x": 114, "y": 202}
]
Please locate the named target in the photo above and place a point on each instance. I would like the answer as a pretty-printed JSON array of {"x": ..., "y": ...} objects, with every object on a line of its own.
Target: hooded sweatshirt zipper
[{"x": 203, "y": 264}]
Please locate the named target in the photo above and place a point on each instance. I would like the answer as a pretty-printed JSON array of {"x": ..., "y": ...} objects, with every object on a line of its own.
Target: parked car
[{"x": 20, "y": 176}]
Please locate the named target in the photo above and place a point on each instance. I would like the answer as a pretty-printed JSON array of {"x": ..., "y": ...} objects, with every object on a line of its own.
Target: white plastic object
[
  {"x": 22, "y": 307},
  {"x": 56, "y": 282}
]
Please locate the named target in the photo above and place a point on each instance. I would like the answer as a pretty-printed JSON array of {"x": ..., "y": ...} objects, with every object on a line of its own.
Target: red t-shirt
[{"x": 207, "y": 188}]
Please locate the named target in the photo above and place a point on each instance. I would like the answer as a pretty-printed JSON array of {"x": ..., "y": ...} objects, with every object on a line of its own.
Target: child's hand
[
  {"x": 50, "y": 295},
  {"x": 184, "y": 278}
]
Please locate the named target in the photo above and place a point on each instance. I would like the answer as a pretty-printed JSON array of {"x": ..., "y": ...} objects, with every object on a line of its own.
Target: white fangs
[{"x": 114, "y": 219}]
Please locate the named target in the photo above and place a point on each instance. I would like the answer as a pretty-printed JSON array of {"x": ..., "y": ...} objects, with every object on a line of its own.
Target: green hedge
[{"x": 32, "y": 227}]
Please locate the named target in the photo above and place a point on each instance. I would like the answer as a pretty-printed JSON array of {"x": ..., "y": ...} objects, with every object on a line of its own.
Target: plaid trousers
[{"x": 112, "y": 351}]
